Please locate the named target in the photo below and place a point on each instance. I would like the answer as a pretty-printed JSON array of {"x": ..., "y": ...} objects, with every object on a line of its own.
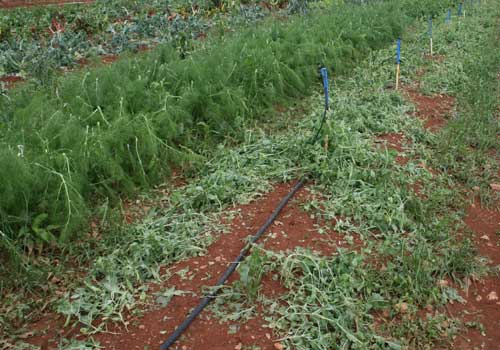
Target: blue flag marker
[
  {"x": 448, "y": 17},
  {"x": 398, "y": 52},
  {"x": 324, "y": 76},
  {"x": 460, "y": 10}
]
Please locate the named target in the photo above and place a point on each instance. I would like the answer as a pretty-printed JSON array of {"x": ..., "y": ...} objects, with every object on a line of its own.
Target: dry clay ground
[{"x": 296, "y": 228}]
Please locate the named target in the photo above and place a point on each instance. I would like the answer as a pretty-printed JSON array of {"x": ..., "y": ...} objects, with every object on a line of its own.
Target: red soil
[
  {"x": 293, "y": 228},
  {"x": 481, "y": 310},
  {"x": 394, "y": 142},
  {"x": 432, "y": 110},
  {"x": 11, "y": 80},
  {"x": 482, "y": 297},
  {"x": 109, "y": 59},
  {"x": 435, "y": 58},
  {"x": 417, "y": 189},
  {"x": 485, "y": 223}
]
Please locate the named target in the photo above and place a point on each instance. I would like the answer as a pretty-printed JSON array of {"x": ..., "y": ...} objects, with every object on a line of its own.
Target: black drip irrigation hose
[
  {"x": 206, "y": 300},
  {"x": 322, "y": 122}
]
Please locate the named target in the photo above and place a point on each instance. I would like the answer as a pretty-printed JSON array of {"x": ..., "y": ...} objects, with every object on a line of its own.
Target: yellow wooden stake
[{"x": 397, "y": 76}]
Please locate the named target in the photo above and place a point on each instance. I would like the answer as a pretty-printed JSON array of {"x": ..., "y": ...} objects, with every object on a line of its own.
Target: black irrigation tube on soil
[{"x": 206, "y": 300}]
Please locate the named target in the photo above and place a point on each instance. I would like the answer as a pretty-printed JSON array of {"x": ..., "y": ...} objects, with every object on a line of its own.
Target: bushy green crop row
[
  {"x": 36, "y": 43},
  {"x": 110, "y": 130}
]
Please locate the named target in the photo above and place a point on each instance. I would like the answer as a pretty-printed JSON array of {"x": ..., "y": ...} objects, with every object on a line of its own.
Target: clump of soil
[
  {"x": 11, "y": 80},
  {"x": 432, "y": 110},
  {"x": 107, "y": 59},
  {"x": 434, "y": 57},
  {"x": 394, "y": 142}
]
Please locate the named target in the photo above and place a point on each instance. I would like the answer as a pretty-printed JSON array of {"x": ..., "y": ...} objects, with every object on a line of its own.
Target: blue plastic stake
[
  {"x": 398, "y": 52},
  {"x": 448, "y": 17},
  {"x": 324, "y": 75},
  {"x": 460, "y": 10},
  {"x": 398, "y": 62}
]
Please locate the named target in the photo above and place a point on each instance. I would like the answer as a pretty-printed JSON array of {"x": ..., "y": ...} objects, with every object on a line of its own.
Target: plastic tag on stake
[
  {"x": 460, "y": 10},
  {"x": 448, "y": 16},
  {"x": 430, "y": 27},
  {"x": 324, "y": 76},
  {"x": 398, "y": 52}
]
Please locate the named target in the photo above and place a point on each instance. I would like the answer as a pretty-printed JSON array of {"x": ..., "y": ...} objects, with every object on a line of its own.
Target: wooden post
[
  {"x": 397, "y": 76},
  {"x": 430, "y": 34},
  {"x": 398, "y": 63}
]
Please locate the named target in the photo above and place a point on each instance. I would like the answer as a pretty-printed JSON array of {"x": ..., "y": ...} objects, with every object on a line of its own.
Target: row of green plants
[
  {"x": 106, "y": 132},
  {"x": 477, "y": 126},
  {"x": 37, "y": 43}
]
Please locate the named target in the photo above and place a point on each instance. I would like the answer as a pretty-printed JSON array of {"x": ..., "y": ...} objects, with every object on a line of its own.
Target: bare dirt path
[{"x": 480, "y": 311}]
